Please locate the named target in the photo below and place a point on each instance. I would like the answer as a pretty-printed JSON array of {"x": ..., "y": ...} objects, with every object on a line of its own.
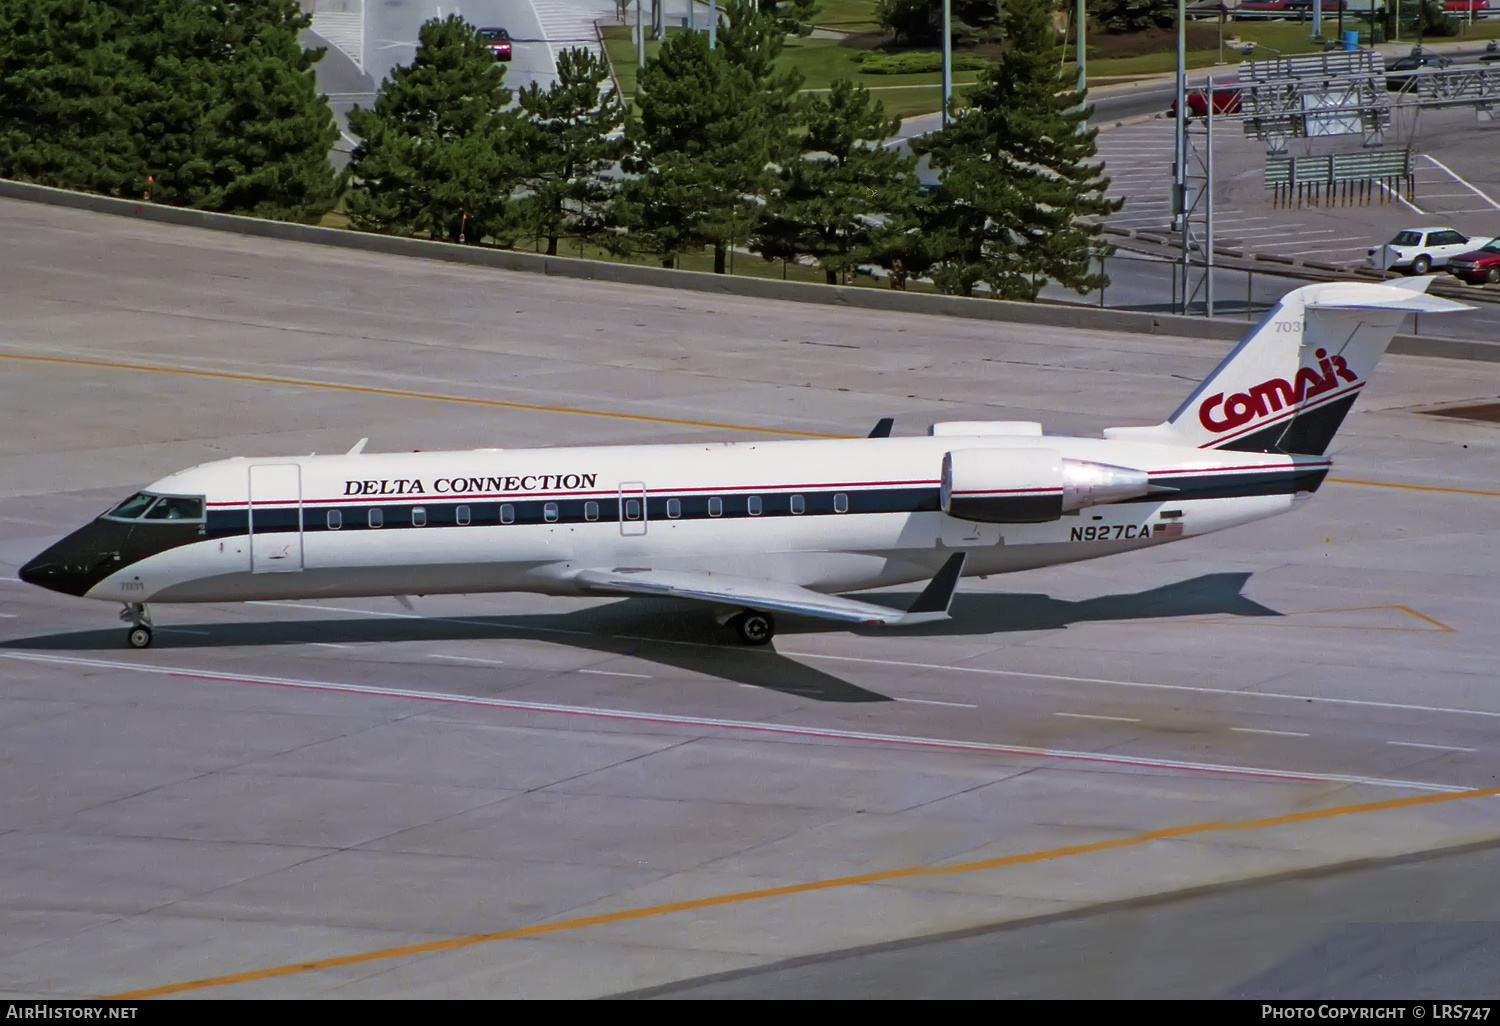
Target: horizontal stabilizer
[{"x": 774, "y": 596}]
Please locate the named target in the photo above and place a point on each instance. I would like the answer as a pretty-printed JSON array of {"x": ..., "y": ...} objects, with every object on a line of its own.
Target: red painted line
[{"x": 418, "y": 498}]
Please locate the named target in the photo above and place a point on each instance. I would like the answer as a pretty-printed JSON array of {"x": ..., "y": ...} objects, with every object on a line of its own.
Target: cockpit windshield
[
  {"x": 132, "y": 507},
  {"x": 144, "y": 505}
]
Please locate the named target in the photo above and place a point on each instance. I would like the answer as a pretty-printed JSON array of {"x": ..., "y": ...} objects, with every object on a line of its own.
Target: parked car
[
  {"x": 1479, "y": 8},
  {"x": 1226, "y": 101},
  {"x": 1480, "y": 266},
  {"x": 497, "y": 42},
  {"x": 1418, "y": 250},
  {"x": 1412, "y": 62},
  {"x": 1249, "y": 10}
]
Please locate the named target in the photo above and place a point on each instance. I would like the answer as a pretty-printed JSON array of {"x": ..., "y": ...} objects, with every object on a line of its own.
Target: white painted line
[
  {"x": 328, "y": 644},
  {"x": 469, "y": 659},
  {"x": 1277, "y": 733},
  {"x": 746, "y": 726},
  {"x": 1462, "y": 182},
  {"x": 613, "y": 673},
  {"x": 10, "y": 616},
  {"x": 931, "y": 701},
  {"x": 1402, "y": 198},
  {"x": 1361, "y": 702},
  {"x": 1091, "y": 716},
  {"x": 1440, "y": 748}
]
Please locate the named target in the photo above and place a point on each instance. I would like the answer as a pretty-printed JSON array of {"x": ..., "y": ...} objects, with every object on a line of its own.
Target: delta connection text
[{"x": 472, "y": 485}]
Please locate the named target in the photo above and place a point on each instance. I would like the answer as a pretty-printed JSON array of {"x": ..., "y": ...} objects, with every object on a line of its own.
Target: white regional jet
[{"x": 753, "y": 528}]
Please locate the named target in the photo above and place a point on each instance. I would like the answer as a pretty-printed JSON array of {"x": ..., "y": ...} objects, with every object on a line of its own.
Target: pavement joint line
[
  {"x": 754, "y": 727},
  {"x": 1365, "y": 702},
  {"x": 267, "y": 379},
  {"x": 807, "y": 887}
]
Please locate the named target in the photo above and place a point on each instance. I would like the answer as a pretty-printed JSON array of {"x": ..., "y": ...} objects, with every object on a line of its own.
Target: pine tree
[
  {"x": 62, "y": 66},
  {"x": 263, "y": 147},
  {"x": 711, "y": 124},
  {"x": 832, "y": 202},
  {"x": 434, "y": 153},
  {"x": 568, "y": 136},
  {"x": 213, "y": 100},
  {"x": 1018, "y": 192}
]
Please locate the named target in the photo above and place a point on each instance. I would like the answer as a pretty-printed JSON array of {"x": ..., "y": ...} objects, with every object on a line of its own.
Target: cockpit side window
[
  {"x": 176, "y": 507},
  {"x": 132, "y": 507}
]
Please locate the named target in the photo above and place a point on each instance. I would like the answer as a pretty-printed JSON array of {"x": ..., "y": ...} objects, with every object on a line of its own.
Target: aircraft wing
[{"x": 776, "y": 596}]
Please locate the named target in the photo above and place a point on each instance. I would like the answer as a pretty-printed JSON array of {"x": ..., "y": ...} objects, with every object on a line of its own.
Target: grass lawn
[{"x": 846, "y": 15}]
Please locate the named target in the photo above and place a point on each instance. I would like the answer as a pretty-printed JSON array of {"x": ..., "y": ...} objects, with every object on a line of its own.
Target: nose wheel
[
  {"x": 754, "y": 628},
  {"x": 139, "y": 617}
]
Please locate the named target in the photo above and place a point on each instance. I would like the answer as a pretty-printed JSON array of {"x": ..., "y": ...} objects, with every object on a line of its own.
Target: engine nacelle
[{"x": 1030, "y": 486}]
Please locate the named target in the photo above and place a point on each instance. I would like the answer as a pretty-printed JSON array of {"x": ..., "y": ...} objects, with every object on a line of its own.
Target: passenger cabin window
[
  {"x": 173, "y": 508},
  {"x": 132, "y": 507},
  {"x": 549, "y": 512},
  {"x": 461, "y": 515},
  {"x": 377, "y": 517},
  {"x": 674, "y": 508},
  {"x": 753, "y": 505},
  {"x": 507, "y": 514},
  {"x": 715, "y": 506},
  {"x": 632, "y": 509},
  {"x": 419, "y": 516},
  {"x": 840, "y": 502},
  {"x": 798, "y": 506},
  {"x": 335, "y": 520},
  {"x": 591, "y": 511}
]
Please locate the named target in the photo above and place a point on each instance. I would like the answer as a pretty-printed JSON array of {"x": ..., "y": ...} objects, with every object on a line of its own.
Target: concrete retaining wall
[{"x": 1050, "y": 315}]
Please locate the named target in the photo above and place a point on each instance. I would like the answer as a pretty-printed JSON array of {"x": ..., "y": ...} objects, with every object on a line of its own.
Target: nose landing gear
[{"x": 139, "y": 617}]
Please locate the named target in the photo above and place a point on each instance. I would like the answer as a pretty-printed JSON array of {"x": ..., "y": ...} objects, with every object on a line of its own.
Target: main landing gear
[
  {"x": 754, "y": 628},
  {"x": 139, "y": 617}
]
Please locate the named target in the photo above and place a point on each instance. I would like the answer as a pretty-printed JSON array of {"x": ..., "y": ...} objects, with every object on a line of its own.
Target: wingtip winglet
[{"x": 935, "y": 599}]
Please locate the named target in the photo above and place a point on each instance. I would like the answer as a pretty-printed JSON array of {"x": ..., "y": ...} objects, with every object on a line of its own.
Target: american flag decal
[{"x": 1172, "y": 530}]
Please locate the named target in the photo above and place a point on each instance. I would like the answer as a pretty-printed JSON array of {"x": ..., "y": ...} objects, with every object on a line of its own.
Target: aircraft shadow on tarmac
[{"x": 684, "y": 635}]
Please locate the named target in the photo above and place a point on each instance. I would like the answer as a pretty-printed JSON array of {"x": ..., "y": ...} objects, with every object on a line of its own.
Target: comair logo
[{"x": 1270, "y": 396}]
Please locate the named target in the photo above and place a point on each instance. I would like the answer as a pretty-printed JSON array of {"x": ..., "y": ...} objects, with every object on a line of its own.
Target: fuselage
[{"x": 832, "y": 516}]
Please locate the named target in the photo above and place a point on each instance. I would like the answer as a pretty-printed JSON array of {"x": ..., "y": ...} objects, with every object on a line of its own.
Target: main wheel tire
[
  {"x": 755, "y": 628},
  {"x": 1421, "y": 265},
  {"x": 1494, "y": 276},
  {"x": 139, "y": 637}
]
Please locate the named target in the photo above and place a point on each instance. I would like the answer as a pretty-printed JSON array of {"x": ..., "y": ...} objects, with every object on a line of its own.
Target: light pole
[
  {"x": 640, "y": 37},
  {"x": 948, "y": 58},
  {"x": 713, "y": 23},
  {"x": 1179, "y": 166}
]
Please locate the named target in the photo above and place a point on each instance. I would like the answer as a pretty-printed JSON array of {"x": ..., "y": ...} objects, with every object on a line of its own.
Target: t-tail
[{"x": 1287, "y": 387}]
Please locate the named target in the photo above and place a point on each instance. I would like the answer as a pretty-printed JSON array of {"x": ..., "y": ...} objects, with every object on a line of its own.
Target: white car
[{"x": 1419, "y": 250}]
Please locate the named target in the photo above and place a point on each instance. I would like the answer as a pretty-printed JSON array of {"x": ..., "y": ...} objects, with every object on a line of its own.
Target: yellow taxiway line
[
  {"x": 741, "y": 897},
  {"x": 267, "y": 379}
]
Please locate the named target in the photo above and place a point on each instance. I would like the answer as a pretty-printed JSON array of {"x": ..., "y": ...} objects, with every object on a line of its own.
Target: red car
[
  {"x": 497, "y": 42},
  {"x": 1480, "y": 266},
  {"x": 1226, "y": 101}
]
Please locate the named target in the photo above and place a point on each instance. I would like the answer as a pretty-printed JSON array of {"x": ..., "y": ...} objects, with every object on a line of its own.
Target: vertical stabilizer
[{"x": 1287, "y": 387}]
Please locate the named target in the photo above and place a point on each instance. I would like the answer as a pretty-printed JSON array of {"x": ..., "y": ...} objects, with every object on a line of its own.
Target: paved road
[
  {"x": 211, "y": 807},
  {"x": 1405, "y": 929}
]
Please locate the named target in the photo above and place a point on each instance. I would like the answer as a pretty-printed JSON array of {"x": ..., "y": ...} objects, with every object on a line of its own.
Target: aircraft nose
[{"x": 72, "y": 566}]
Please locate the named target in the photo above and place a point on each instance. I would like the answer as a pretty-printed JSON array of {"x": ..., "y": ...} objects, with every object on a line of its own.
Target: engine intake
[{"x": 1030, "y": 486}]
